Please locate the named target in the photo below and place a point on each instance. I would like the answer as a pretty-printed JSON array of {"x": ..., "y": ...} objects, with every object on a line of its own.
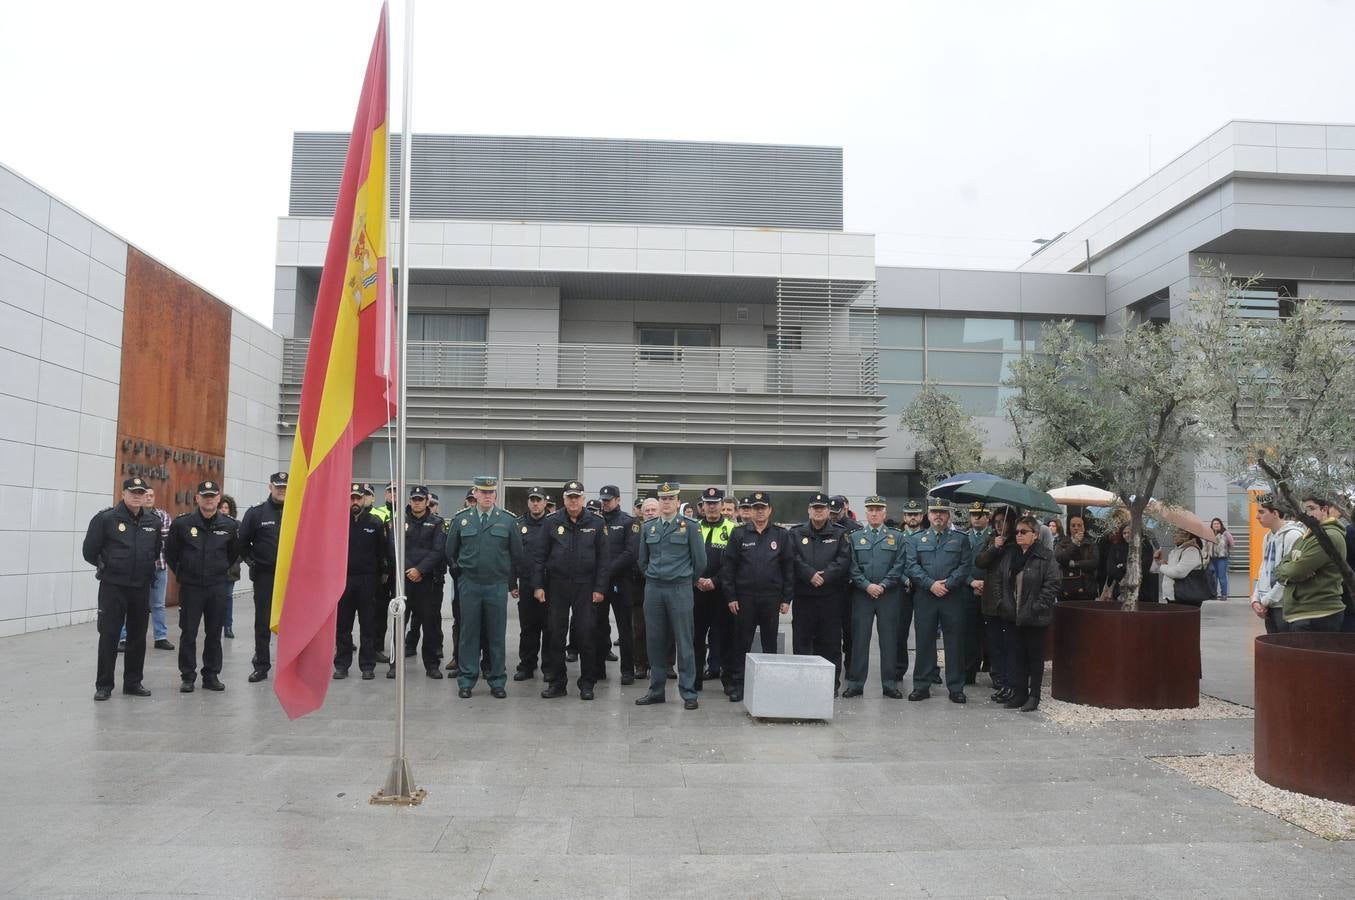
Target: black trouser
[
  {"x": 119, "y": 606},
  {"x": 816, "y": 629},
  {"x": 905, "y": 626},
  {"x": 203, "y": 605},
  {"x": 531, "y": 628},
  {"x": 360, "y": 599},
  {"x": 995, "y": 630},
  {"x": 262, "y": 579},
  {"x": 708, "y": 612},
  {"x": 619, "y": 602},
  {"x": 1331, "y": 623},
  {"x": 425, "y": 612},
  {"x": 1025, "y": 660},
  {"x": 563, "y": 599},
  {"x": 844, "y": 605},
  {"x": 973, "y": 635},
  {"x": 757, "y": 613}
]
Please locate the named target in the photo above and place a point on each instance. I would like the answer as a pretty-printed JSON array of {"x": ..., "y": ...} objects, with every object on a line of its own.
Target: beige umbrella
[
  {"x": 1179, "y": 517},
  {"x": 1083, "y": 495}
]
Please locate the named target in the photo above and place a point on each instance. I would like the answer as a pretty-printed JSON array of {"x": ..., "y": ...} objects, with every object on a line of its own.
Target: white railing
[{"x": 628, "y": 367}]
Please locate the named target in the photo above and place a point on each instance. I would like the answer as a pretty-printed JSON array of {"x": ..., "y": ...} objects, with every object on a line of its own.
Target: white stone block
[
  {"x": 777, "y": 686},
  {"x": 780, "y": 640}
]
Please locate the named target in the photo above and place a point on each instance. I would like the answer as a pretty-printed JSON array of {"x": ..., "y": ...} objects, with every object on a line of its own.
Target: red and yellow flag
[{"x": 348, "y": 392}]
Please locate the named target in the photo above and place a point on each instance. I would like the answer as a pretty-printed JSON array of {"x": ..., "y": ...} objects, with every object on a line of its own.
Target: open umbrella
[
  {"x": 947, "y": 488},
  {"x": 991, "y": 489},
  {"x": 1083, "y": 495},
  {"x": 1179, "y": 517}
]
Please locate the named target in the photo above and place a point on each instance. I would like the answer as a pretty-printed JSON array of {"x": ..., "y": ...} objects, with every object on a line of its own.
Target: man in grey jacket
[{"x": 1267, "y": 596}]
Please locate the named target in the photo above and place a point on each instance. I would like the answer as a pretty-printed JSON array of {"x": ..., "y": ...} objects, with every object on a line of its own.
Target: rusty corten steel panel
[
  {"x": 1149, "y": 659},
  {"x": 1305, "y": 713}
]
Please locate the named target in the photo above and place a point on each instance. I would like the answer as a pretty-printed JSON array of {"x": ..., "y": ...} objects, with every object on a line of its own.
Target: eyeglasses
[{"x": 1024, "y": 531}]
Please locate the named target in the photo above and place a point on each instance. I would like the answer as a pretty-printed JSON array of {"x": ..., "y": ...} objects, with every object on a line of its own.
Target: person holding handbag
[{"x": 1185, "y": 575}]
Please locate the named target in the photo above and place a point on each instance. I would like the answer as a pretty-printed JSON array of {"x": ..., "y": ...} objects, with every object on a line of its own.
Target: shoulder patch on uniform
[{"x": 635, "y": 528}]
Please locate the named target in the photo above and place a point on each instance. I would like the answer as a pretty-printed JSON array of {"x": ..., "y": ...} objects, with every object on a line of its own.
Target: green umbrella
[{"x": 992, "y": 489}]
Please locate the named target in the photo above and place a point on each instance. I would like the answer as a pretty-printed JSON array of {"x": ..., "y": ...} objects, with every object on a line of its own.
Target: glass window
[
  {"x": 696, "y": 468},
  {"x": 1034, "y": 331},
  {"x": 544, "y": 464},
  {"x": 767, "y": 466},
  {"x": 457, "y": 462},
  {"x": 898, "y": 486},
  {"x": 441, "y": 326},
  {"x": 979, "y": 401},
  {"x": 949, "y": 367},
  {"x": 898, "y": 396},
  {"x": 900, "y": 330},
  {"x": 901, "y": 365},
  {"x": 965, "y": 333},
  {"x": 372, "y": 461},
  {"x": 672, "y": 336}
]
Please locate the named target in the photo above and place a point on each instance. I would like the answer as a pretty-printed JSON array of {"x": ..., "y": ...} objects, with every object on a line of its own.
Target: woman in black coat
[{"x": 1031, "y": 583}]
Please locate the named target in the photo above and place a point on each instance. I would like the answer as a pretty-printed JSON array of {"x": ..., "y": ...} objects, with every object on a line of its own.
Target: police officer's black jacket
[
  {"x": 623, "y": 544},
  {"x": 848, "y": 524},
  {"x": 122, "y": 546},
  {"x": 425, "y": 543},
  {"x": 259, "y": 536},
  {"x": 573, "y": 550},
  {"x": 759, "y": 566},
  {"x": 531, "y": 550},
  {"x": 201, "y": 551},
  {"x": 825, "y": 550},
  {"x": 371, "y": 550}
]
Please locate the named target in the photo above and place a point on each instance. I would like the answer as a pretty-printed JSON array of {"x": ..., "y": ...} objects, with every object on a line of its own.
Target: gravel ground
[
  {"x": 1075, "y": 715},
  {"x": 1233, "y": 775}
]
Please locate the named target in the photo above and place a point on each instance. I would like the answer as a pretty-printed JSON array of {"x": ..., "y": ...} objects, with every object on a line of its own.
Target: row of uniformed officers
[{"x": 671, "y": 582}]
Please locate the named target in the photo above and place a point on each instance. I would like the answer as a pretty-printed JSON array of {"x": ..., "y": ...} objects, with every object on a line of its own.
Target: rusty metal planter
[
  {"x": 1305, "y": 713},
  {"x": 1147, "y": 659}
]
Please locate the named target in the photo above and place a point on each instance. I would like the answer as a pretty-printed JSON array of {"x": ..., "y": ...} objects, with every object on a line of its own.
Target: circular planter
[
  {"x": 1147, "y": 659},
  {"x": 1305, "y": 713}
]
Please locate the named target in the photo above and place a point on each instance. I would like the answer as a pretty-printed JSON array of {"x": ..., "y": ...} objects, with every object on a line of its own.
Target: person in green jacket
[{"x": 1311, "y": 578}]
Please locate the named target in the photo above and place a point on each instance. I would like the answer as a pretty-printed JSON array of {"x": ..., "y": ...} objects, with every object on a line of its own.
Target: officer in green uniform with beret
[
  {"x": 672, "y": 558},
  {"x": 484, "y": 543},
  {"x": 912, "y": 525},
  {"x": 939, "y": 562},
  {"x": 877, "y": 580}
]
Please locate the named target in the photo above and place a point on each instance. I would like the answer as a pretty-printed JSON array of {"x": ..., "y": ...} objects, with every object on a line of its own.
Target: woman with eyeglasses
[
  {"x": 1030, "y": 583},
  {"x": 988, "y": 561}
]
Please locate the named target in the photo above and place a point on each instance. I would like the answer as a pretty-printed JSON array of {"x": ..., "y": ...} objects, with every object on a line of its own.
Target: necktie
[{"x": 483, "y": 518}]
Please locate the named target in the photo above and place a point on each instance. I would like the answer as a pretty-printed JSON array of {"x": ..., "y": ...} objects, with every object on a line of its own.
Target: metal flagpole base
[{"x": 399, "y": 788}]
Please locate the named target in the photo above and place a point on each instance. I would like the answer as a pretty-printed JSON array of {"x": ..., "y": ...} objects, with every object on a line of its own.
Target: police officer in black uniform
[
  {"x": 531, "y": 614},
  {"x": 837, "y": 513},
  {"x": 259, "y": 549},
  {"x": 758, "y": 578},
  {"x": 425, "y": 555},
  {"x": 200, "y": 550},
  {"x": 123, "y": 544},
  {"x": 572, "y": 577},
  {"x": 623, "y": 548},
  {"x": 370, "y": 553},
  {"x": 823, "y": 560}
]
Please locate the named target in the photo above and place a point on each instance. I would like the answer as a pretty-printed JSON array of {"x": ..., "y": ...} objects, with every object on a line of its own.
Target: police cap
[
  {"x": 820, "y": 499},
  {"x": 912, "y": 508},
  {"x": 669, "y": 489},
  {"x": 572, "y": 489},
  {"x": 486, "y": 482},
  {"x": 533, "y": 493},
  {"x": 278, "y": 479},
  {"x": 135, "y": 485},
  {"x": 875, "y": 500},
  {"x": 712, "y": 495},
  {"x": 418, "y": 490},
  {"x": 609, "y": 492}
]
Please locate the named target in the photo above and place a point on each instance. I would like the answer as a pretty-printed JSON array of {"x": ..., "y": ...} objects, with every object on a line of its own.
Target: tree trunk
[{"x": 1133, "y": 563}]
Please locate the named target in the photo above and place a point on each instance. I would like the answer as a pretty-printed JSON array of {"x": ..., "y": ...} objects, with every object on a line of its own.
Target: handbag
[{"x": 1196, "y": 587}]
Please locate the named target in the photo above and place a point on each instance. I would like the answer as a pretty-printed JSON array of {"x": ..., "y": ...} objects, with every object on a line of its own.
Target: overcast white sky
[{"x": 969, "y": 128}]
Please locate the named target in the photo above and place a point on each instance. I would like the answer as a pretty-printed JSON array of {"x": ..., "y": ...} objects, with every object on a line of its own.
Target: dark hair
[
  {"x": 1221, "y": 529},
  {"x": 1320, "y": 501},
  {"x": 1271, "y": 504},
  {"x": 1081, "y": 519},
  {"x": 227, "y": 498}
]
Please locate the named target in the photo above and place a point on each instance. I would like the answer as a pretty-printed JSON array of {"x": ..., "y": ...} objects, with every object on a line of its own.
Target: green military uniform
[
  {"x": 939, "y": 557},
  {"x": 877, "y": 558},
  {"x": 672, "y": 558},
  {"x": 911, "y": 508},
  {"x": 487, "y": 549}
]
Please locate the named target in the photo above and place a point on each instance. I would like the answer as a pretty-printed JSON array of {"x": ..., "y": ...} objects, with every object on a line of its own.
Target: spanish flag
[{"x": 348, "y": 392}]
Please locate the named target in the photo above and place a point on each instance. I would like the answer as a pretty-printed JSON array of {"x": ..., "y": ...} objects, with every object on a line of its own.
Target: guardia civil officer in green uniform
[
  {"x": 877, "y": 581},
  {"x": 484, "y": 543},
  {"x": 672, "y": 558},
  {"x": 939, "y": 563},
  {"x": 912, "y": 526},
  {"x": 979, "y": 530}
]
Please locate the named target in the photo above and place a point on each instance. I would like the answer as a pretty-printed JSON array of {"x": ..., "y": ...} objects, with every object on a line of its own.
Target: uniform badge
[
  {"x": 467, "y": 522},
  {"x": 560, "y": 530},
  {"x": 406, "y": 526},
  {"x": 524, "y": 529},
  {"x": 653, "y": 529},
  {"x": 635, "y": 528},
  {"x": 804, "y": 540},
  {"x": 122, "y": 526},
  {"x": 889, "y": 539},
  {"x": 773, "y": 545},
  {"x": 863, "y": 542},
  {"x": 193, "y": 531},
  {"x": 924, "y": 540}
]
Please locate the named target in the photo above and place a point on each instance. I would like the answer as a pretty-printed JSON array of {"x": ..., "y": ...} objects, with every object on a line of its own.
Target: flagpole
[{"x": 399, "y": 787}]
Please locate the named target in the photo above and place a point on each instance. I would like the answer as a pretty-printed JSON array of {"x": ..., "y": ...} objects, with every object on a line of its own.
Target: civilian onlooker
[
  {"x": 228, "y": 507},
  {"x": 1177, "y": 565},
  {"x": 1221, "y": 549},
  {"x": 1030, "y": 584},
  {"x": 159, "y": 581},
  {"x": 1078, "y": 561},
  {"x": 1312, "y": 579},
  {"x": 1267, "y": 596},
  {"x": 1056, "y": 529}
]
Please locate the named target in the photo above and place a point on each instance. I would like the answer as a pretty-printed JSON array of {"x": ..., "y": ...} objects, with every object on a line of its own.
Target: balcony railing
[{"x": 627, "y": 367}]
